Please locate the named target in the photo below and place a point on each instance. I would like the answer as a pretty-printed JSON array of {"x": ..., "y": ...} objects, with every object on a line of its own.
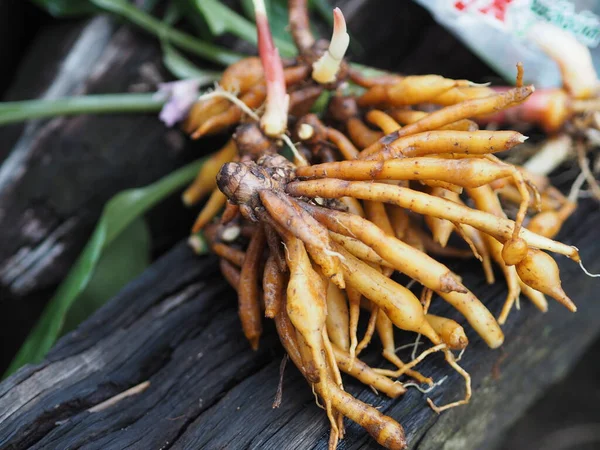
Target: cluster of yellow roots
[{"x": 380, "y": 182}]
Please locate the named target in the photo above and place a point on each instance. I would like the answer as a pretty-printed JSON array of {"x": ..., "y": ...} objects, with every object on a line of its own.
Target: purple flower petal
[{"x": 180, "y": 96}]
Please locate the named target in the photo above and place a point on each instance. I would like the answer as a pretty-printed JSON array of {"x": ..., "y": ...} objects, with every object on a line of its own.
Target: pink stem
[{"x": 274, "y": 120}]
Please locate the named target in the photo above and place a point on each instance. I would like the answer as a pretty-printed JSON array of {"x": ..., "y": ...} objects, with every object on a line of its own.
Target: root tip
[
  {"x": 568, "y": 303},
  {"x": 589, "y": 274},
  {"x": 254, "y": 342},
  {"x": 495, "y": 343},
  {"x": 188, "y": 199}
]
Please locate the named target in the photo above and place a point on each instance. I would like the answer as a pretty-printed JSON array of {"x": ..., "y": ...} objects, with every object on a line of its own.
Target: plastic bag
[{"x": 502, "y": 32}]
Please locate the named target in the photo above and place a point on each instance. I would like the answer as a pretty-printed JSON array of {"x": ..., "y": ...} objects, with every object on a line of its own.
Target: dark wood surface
[
  {"x": 19, "y": 22},
  {"x": 57, "y": 174},
  {"x": 177, "y": 328}
]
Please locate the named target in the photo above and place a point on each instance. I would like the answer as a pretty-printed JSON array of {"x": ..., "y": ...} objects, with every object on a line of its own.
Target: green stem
[
  {"x": 161, "y": 30},
  {"x": 222, "y": 19},
  {"x": 90, "y": 104},
  {"x": 11, "y": 112},
  {"x": 323, "y": 9},
  {"x": 368, "y": 71}
]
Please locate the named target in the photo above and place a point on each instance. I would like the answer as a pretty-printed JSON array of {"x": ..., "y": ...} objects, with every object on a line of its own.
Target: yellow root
[
  {"x": 369, "y": 333},
  {"x": 501, "y": 229},
  {"x": 213, "y": 206},
  {"x": 411, "y": 364},
  {"x": 365, "y": 374},
  {"x": 399, "y": 304},
  {"x": 206, "y": 179},
  {"x": 451, "y": 360}
]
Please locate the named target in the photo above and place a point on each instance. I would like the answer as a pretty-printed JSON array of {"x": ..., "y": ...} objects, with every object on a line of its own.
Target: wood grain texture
[
  {"x": 58, "y": 174},
  {"x": 177, "y": 327},
  {"x": 56, "y": 63}
]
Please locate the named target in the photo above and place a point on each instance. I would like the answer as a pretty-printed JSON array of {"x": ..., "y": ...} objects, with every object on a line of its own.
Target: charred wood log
[{"x": 165, "y": 365}]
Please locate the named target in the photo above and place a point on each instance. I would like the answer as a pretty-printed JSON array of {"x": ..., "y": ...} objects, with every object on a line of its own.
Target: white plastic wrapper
[{"x": 504, "y": 32}]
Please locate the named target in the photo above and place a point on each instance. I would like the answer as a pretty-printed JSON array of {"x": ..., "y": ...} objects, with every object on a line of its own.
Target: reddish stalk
[{"x": 274, "y": 120}]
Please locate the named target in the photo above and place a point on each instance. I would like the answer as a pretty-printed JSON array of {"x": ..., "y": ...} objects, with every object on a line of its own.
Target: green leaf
[
  {"x": 121, "y": 261},
  {"x": 277, "y": 13},
  {"x": 369, "y": 71},
  {"x": 172, "y": 15},
  {"x": 11, "y": 112},
  {"x": 321, "y": 104},
  {"x": 123, "y": 209},
  {"x": 248, "y": 8},
  {"x": 175, "y": 62},
  {"x": 197, "y": 21},
  {"x": 324, "y": 9},
  {"x": 148, "y": 5},
  {"x": 182, "y": 40},
  {"x": 183, "y": 68},
  {"x": 222, "y": 19},
  {"x": 66, "y": 8}
]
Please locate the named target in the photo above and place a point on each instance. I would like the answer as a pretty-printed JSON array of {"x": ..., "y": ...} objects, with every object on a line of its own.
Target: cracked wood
[{"x": 177, "y": 328}]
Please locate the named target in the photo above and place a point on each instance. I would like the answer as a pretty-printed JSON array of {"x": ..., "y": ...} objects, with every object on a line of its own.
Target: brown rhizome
[{"x": 375, "y": 185}]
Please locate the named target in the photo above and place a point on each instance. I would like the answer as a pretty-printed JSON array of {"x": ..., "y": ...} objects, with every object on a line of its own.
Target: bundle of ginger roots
[{"x": 377, "y": 184}]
